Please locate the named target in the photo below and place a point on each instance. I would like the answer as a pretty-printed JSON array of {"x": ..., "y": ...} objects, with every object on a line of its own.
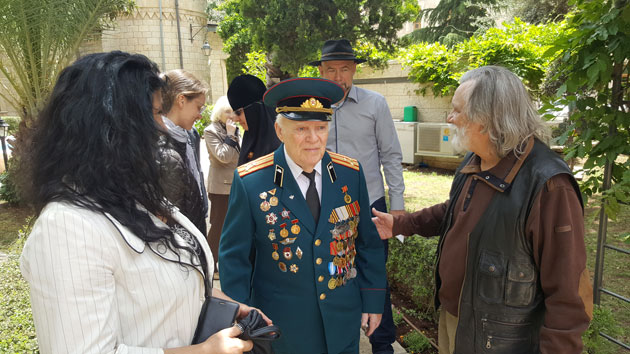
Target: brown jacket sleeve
[
  {"x": 425, "y": 222},
  {"x": 556, "y": 228}
]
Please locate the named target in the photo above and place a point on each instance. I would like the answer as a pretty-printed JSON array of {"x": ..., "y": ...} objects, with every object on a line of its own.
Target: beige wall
[{"x": 400, "y": 92}]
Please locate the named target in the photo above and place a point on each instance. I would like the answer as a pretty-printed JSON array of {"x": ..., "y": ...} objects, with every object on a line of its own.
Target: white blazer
[{"x": 97, "y": 288}]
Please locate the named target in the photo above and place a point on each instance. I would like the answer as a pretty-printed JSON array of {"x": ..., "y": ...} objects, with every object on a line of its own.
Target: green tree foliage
[
  {"x": 255, "y": 64},
  {"x": 518, "y": 46},
  {"x": 452, "y": 21},
  {"x": 39, "y": 38},
  {"x": 234, "y": 30},
  {"x": 432, "y": 65},
  {"x": 541, "y": 11},
  {"x": 291, "y": 32},
  {"x": 595, "y": 63}
]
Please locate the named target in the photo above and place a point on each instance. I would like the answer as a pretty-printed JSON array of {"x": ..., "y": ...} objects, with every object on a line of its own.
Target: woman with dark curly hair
[{"x": 112, "y": 267}]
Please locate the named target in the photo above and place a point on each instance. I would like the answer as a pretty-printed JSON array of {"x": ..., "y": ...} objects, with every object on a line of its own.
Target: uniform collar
[{"x": 502, "y": 174}]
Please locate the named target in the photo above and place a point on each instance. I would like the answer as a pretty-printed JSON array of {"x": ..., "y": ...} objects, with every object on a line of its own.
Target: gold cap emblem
[{"x": 312, "y": 103}]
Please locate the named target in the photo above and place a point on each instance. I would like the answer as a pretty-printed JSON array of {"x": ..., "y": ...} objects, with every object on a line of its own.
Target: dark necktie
[{"x": 312, "y": 198}]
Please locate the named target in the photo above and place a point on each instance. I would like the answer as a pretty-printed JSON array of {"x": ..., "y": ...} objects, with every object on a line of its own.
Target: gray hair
[
  {"x": 220, "y": 107},
  {"x": 280, "y": 119},
  {"x": 500, "y": 103}
]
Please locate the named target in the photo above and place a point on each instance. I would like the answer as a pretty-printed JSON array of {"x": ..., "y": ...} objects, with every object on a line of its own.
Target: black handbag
[
  {"x": 256, "y": 329},
  {"x": 216, "y": 314}
]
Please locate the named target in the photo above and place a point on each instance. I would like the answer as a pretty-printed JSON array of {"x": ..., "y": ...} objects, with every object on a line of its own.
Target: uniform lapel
[{"x": 291, "y": 196}]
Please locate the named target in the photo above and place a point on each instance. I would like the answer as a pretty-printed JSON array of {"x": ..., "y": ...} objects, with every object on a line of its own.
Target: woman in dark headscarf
[{"x": 245, "y": 96}]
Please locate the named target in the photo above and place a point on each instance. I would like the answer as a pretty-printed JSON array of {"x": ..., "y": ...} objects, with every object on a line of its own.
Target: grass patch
[
  {"x": 12, "y": 218},
  {"x": 425, "y": 187},
  {"x": 616, "y": 276},
  {"x": 17, "y": 331}
]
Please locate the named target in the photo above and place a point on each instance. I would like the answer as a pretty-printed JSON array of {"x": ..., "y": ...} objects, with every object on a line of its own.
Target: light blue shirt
[{"x": 362, "y": 128}]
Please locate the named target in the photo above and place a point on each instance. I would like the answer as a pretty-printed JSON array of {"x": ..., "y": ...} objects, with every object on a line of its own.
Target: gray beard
[{"x": 459, "y": 140}]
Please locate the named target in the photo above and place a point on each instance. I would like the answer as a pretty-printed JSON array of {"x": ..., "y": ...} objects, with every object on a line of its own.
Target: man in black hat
[
  {"x": 362, "y": 128},
  {"x": 319, "y": 271},
  {"x": 245, "y": 96}
]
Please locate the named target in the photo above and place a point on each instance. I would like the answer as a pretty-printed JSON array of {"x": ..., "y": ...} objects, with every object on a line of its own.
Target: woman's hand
[
  {"x": 244, "y": 310},
  {"x": 227, "y": 342},
  {"x": 223, "y": 342},
  {"x": 230, "y": 126}
]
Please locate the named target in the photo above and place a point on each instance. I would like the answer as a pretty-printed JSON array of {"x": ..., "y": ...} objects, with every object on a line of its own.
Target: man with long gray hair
[{"x": 511, "y": 266}]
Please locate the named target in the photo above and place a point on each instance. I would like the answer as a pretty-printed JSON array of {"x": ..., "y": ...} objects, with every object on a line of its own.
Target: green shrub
[
  {"x": 17, "y": 331},
  {"x": 410, "y": 269},
  {"x": 8, "y": 190},
  {"x": 603, "y": 321},
  {"x": 416, "y": 342},
  {"x": 434, "y": 66},
  {"x": 519, "y": 46},
  {"x": 14, "y": 123},
  {"x": 398, "y": 317},
  {"x": 202, "y": 123}
]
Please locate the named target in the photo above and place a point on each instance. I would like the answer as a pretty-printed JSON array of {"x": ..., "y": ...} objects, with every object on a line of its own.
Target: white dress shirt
[
  {"x": 97, "y": 288},
  {"x": 303, "y": 181}
]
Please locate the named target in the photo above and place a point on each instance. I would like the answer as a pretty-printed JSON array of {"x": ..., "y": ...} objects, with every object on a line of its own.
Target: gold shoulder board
[
  {"x": 258, "y": 164},
  {"x": 344, "y": 160}
]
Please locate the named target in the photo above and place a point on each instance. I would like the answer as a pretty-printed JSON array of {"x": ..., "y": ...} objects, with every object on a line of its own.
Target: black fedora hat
[
  {"x": 245, "y": 90},
  {"x": 337, "y": 49},
  {"x": 304, "y": 98}
]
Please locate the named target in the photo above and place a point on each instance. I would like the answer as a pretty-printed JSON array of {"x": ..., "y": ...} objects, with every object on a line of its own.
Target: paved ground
[{"x": 364, "y": 345}]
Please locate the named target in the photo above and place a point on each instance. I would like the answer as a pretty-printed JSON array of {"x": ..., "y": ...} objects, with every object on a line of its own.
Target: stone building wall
[{"x": 140, "y": 33}]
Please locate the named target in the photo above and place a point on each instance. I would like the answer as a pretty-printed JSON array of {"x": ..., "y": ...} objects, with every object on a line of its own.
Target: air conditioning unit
[
  {"x": 407, "y": 136},
  {"x": 434, "y": 139}
]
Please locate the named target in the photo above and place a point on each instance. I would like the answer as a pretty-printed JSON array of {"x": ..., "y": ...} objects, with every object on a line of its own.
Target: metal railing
[{"x": 599, "y": 261}]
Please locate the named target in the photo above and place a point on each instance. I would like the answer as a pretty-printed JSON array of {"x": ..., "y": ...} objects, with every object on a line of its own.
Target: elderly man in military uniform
[{"x": 319, "y": 270}]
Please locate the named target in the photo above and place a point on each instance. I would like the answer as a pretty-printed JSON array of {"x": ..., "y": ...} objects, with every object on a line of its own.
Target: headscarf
[{"x": 260, "y": 139}]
